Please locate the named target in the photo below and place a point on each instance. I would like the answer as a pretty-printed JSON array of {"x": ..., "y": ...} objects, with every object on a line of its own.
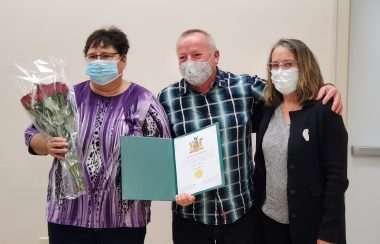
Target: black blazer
[{"x": 317, "y": 172}]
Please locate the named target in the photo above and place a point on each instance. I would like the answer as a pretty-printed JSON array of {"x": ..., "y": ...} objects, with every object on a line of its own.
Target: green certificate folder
[{"x": 150, "y": 165}]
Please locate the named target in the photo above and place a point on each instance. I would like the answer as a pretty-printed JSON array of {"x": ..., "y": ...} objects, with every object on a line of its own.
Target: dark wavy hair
[{"x": 106, "y": 37}]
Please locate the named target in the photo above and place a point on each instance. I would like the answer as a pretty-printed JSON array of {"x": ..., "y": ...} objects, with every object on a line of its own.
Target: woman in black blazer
[{"x": 301, "y": 154}]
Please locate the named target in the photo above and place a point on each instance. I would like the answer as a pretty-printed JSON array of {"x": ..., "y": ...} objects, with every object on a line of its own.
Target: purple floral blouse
[{"x": 103, "y": 120}]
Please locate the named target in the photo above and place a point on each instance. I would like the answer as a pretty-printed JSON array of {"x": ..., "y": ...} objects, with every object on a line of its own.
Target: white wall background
[
  {"x": 244, "y": 31},
  {"x": 363, "y": 195}
]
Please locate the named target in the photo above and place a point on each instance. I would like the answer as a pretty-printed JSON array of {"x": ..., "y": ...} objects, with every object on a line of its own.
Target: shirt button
[
  {"x": 293, "y": 215},
  {"x": 292, "y": 191},
  {"x": 292, "y": 166}
]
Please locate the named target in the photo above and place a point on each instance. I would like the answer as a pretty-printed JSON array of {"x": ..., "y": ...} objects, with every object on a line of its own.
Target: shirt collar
[{"x": 221, "y": 80}]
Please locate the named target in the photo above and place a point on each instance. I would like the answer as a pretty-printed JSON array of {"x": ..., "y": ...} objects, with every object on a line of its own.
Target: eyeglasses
[
  {"x": 102, "y": 56},
  {"x": 284, "y": 65}
]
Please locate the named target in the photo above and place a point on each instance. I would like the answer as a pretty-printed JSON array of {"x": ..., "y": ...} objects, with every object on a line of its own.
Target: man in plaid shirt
[{"x": 204, "y": 96}]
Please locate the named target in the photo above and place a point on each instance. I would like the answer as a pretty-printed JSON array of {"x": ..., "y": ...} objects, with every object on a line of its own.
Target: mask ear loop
[
  {"x": 212, "y": 55},
  {"x": 117, "y": 61},
  {"x": 124, "y": 65}
]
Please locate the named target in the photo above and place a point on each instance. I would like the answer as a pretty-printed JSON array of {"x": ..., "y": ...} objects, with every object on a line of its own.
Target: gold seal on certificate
[{"x": 198, "y": 173}]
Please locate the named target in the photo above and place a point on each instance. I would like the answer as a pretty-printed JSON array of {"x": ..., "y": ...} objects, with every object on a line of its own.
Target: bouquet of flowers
[{"x": 50, "y": 103}]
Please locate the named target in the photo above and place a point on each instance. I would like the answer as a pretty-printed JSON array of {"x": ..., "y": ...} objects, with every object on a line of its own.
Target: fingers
[
  {"x": 327, "y": 97},
  {"x": 323, "y": 242},
  {"x": 340, "y": 109},
  {"x": 322, "y": 92},
  {"x": 337, "y": 106},
  {"x": 57, "y": 147},
  {"x": 328, "y": 92},
  {"x": 184, "y": 199}
]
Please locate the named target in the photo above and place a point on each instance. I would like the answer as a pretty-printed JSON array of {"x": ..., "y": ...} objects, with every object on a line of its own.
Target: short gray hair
[{"x": 207, "y": 35}]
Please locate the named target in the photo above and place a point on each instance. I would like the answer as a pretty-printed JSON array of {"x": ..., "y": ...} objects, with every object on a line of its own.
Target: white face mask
[
  {"x": 195, "y": 72},
  {"x": 285, "y": 81}
]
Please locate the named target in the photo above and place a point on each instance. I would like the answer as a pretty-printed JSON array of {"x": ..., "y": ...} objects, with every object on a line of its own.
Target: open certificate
[
  {"x": 198, "y": 161},
  {"x": 160, "y": 168}
]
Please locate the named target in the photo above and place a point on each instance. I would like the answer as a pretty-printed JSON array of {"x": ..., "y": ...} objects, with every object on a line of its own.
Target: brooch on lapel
[{"x": 305, "y": 134}]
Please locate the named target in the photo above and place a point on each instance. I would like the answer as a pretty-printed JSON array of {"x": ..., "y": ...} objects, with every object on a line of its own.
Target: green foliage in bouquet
[{"x": 53, "y": 113}]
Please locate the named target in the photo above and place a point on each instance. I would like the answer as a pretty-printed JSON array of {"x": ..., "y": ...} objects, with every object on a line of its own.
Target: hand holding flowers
[
  {"x": 51, "y": 106},
  {"x": 57, "y": 147}
]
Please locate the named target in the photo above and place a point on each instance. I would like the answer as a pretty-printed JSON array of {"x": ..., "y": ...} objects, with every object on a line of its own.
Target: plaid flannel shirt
[{"x": 230, "y": 102}]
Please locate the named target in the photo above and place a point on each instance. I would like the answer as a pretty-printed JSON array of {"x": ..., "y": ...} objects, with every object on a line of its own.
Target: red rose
[
  {"x": 26, "y": 100},
  {"x": 61, "y": 87},
  {"x": 37, "y": 94},
  {"x": 47, "y": 89}
]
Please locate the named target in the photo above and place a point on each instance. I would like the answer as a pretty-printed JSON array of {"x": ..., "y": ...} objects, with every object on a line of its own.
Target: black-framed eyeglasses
[
  {"x": 102, "y": 56},
  {"x": 284, "y": 65}
]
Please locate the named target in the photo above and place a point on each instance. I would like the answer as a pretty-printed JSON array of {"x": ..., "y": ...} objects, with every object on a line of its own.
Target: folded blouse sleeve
[{"x": 30, "y": 131}]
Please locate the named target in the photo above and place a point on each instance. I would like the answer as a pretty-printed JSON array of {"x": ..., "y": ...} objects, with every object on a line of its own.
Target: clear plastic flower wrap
[{"x": 50, "y": 103}]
